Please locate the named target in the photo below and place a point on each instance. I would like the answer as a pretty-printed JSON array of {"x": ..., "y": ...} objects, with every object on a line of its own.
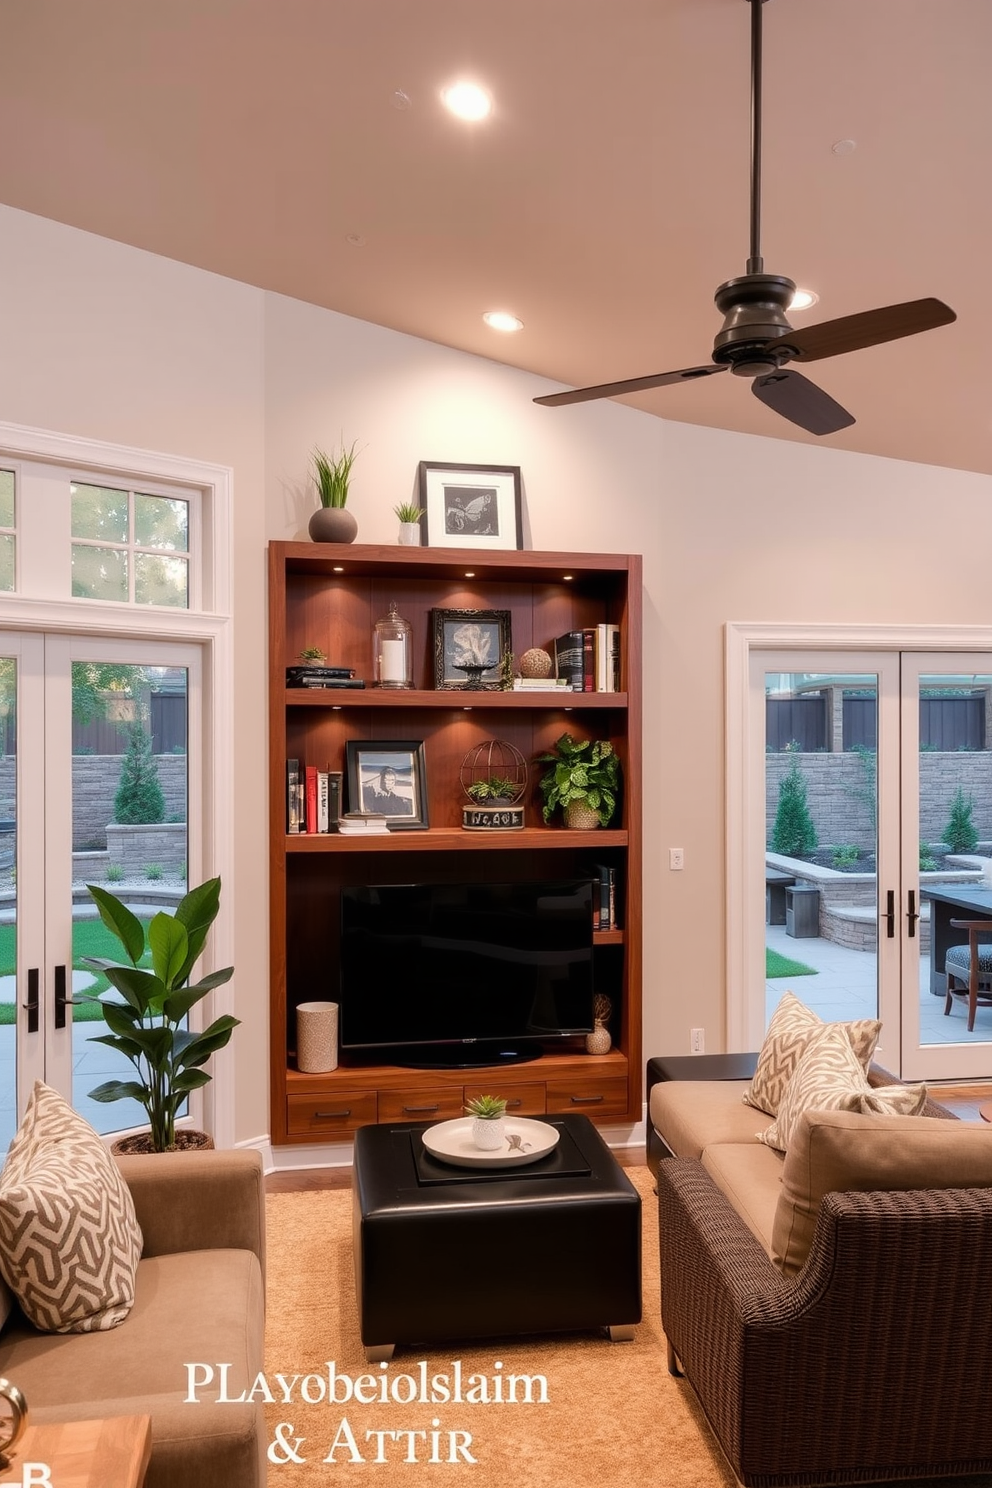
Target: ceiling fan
[{"x": 756, "y": 339}]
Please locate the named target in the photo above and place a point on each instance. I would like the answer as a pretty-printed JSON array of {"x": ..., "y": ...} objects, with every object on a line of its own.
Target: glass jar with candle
[{"x": 392, "y": 651}]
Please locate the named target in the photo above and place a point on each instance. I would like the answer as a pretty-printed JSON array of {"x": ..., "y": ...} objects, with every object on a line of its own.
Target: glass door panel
[
  {"x": 94, "y": 750},
  {"x": 129, "y": 835},
  {"x": 947, "y": 767},
  {"x": 821, "y": 808}
]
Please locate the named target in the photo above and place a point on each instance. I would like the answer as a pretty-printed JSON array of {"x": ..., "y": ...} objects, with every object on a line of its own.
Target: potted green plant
[
  {"x": 332, "y": 477},
  {"x": 583, "y": 779},
  {"x": 313, "y": 656},
  {"x": 147, "y": 1028},
  {"x": 497, "y": 790},
  {"x": 409, "y": 514},
  {"x": 488, "y": 1123}
]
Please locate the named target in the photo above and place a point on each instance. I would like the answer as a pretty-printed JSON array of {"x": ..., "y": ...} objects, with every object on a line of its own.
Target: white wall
[{"x": 113, "y": 343}]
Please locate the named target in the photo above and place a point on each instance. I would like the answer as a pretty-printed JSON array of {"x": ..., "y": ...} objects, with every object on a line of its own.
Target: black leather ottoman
[{"x": 450, "y": 1253}]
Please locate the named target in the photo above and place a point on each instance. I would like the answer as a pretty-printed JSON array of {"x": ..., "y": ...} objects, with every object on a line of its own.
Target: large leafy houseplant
[
  {"x": 581, "y": 770},
  {"x": 147, "y": 1028}
]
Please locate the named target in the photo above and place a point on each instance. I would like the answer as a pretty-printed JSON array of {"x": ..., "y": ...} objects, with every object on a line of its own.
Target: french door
[
  {"x": 868, "y": 813},
  {"x": 83, "y": 719}
]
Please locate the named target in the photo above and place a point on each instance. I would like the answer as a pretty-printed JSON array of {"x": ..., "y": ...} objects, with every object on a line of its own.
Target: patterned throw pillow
[
  {"x": 69, "y": 1239},
  {"x": 829, "y": 1077},
  {"x": 790, "y": 1030}
]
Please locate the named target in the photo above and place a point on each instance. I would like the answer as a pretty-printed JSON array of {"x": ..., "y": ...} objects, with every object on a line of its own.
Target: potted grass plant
[
  {"x": 148, "y": 1027},
  {"x": 488, "y": 1114},
  {"x": 331, "y": 522},
  {"x": 409, "y": 514}
]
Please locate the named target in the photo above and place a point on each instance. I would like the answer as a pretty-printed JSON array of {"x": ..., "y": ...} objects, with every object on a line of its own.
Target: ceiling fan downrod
[{"x": 755, "y": 263}]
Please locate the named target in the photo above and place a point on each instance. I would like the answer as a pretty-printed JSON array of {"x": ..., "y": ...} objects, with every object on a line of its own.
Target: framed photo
[
  {"x": 389, "y": 776},
  {"x": 470, "y": 506},
  {"x": 469, "y": 646}
]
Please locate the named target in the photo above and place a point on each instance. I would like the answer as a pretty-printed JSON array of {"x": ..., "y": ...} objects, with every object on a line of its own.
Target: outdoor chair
[{"x": 971, "y": 965}]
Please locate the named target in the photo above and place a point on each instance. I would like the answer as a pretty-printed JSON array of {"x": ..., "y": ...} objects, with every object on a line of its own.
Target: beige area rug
[{"x": 614, "y": 1416}]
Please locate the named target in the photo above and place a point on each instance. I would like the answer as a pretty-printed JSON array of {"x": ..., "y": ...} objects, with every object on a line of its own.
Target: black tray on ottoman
[{"x": 551, "y": 1246}]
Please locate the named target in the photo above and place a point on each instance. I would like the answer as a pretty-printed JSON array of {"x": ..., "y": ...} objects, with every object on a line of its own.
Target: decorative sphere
[
  {"x": 536, "y": 663},
  {"x": 494, "y": 759}
]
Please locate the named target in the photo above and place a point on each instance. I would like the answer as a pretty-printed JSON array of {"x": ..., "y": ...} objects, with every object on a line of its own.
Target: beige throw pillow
[
  {"x": 69, "y": 1239},
  {"x": 790, "y": 1030},
  {"x": 829, "y": 1077},
  {"x": 848, "y": 1151}
]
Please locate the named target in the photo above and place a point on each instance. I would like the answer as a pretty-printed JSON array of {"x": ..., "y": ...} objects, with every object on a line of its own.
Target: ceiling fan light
[
  {"x": 467, "y": 101},
  {"x": 803, "y": 299},
  {"x": 502, "y": 320}
]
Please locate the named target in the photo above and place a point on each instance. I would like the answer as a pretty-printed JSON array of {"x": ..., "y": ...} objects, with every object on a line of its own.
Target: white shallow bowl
[{"x": 526, "y": 1141}]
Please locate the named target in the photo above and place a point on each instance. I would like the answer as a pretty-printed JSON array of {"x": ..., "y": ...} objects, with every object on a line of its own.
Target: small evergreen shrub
[
  {"x": 115, "y": 872},
  {"x": 154, "y": 870},
  {"x": 139, "y": 797},
  {"x": 793, "y": 834},
  {"x": 844, "y": 857},
  {"x": 960, "y": 833},
  {"x": 928, "y": 863}
]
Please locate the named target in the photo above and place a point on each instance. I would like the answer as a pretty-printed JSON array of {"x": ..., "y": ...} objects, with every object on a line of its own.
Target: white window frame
[{"x": 209, "y": 626}]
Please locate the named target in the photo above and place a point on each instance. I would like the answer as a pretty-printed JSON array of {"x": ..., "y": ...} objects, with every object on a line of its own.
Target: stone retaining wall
[
  {"x": 95, "y": 778},
  {"x": 842, "y": 816}
]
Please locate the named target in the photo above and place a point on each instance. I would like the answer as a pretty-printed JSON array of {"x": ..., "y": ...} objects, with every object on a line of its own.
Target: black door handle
[
  {"x": 890, "y": 914},
  {"x": 61, "y": 1001},
  {"x": 31, "y": 1006},
  {"x": 911, "y": 914}
]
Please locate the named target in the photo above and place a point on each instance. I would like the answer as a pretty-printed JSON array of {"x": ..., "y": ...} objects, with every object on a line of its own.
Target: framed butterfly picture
[{"x": 470, "y": 506}]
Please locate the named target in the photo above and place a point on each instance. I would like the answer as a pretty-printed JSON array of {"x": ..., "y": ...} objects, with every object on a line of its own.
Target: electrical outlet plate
[
  {"x": 697, "y": 1041},
  {"x": 676, "y": 859}
]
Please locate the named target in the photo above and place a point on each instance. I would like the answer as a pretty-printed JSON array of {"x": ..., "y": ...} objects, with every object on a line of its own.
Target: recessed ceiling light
[
  {"x": 357, "y": 240},
  {"x": 467, "y": 100},
  {"x": 502, "y": 320},
  {"x": 844, "y": 147},
  {"x": 803, "y": 299}
]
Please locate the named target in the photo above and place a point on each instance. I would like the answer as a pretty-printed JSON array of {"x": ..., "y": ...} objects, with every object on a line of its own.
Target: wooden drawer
[
  {"x": 427, "y": 1103},
  {"x": 325, "y": 1115},
  {"x": 592, "y": 1097},
  {"x": 521, "y": 1100}
]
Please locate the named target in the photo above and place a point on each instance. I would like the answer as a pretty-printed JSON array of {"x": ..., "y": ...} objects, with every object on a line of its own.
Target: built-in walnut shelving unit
[{"x": 330, "y": 595}]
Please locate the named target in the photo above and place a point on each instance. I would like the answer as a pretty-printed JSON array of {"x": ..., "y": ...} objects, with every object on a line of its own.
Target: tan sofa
[
  {"x": 199, "y": 1298},
  {"x": 829, "y": 1307}
]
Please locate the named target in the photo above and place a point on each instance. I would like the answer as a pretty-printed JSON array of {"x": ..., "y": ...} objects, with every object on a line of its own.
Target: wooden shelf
[
  {"x": 456, "y": 840},
  {"x": 374, "y": 697},
  {"x": 332, "y": 595}
]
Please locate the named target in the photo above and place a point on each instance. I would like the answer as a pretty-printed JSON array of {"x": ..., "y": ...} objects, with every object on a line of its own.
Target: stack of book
[
  {"x": 313, "y": 798},
  {"x": 322, "y": 676},
  {"x": 363, "y": 823},
  {"x": 589, "y": 659},
  {"x": 541, "y": 684},
  {"x": 604, "y": 898}
]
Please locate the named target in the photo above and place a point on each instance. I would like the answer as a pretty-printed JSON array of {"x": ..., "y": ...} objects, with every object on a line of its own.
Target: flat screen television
[{"x": 462, "y": 975}]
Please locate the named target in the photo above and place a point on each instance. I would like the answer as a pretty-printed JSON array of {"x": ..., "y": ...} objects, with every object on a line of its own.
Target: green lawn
[
  {"x": 89, "y": 938},
  {"x": 782, "y": 966}
]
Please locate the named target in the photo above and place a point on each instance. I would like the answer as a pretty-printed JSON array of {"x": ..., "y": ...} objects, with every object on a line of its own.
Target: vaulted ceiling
[{"x": 300, "y": 145}]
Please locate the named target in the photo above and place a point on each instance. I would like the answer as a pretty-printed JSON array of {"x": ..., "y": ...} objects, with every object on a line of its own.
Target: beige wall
[{"x": 109, "y": 342}]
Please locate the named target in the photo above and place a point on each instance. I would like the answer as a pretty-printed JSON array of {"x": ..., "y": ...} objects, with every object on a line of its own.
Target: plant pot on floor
[
  {"x": 187, "y": 1140},
  {"x": 332, "y": 524}
]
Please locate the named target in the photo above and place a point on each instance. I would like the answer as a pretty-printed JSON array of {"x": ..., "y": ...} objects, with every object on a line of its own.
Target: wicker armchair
[{"x": 873, "y": 1363}]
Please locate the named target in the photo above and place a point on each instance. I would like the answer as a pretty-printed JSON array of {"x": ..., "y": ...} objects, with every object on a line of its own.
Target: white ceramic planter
[
  {"x": 488, "y": 1136},
  {"x": 410, "y": 534}
]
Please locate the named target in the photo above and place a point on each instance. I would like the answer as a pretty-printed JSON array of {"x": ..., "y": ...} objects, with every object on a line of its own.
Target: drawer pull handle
[
  {"x": 415, "y": 1110},
  {"x": 331, "y": 1115},
  {"x": 585, "y": 1100},
  {"x": 513, "y": 1103}
]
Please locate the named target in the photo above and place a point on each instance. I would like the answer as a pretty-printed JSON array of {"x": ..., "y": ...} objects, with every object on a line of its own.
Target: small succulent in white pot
[{"x": 488, "y": 1114}]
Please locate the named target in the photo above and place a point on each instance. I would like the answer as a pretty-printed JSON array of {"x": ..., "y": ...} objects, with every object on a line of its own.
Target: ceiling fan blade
[
  {"x": 801, "y": 401},
  {"x": 869, "y": 328},
  {"x": 632, "y": 385}
]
